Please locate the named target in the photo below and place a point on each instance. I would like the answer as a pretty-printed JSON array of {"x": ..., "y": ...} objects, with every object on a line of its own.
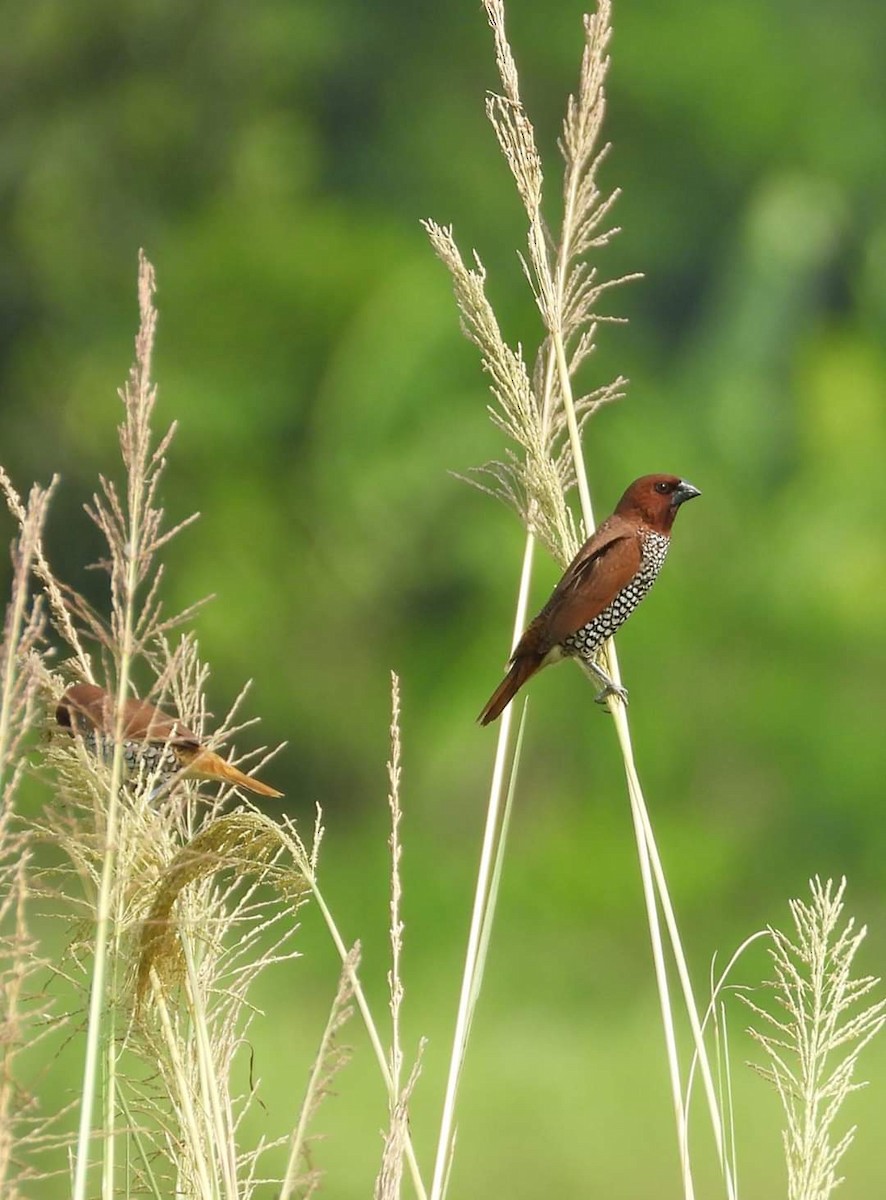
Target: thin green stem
[
  {"x": 710, "y": 1013},
  {"x": 185, "y": 1102},
  {"x": 686, "y": 986},
  {"x": 132, "y": 552},
  {"x": 637, "y": 806},
  {"x": 221, "y": 1138},
  {"x": 648, "y": 855},
  {"x": 480, "y": 920},
  {"x": 635, "y": 792},
  {"x": 689, "y": 1000},
  {"x": 147, "y": 1167},
  {"x": 102, "y": 928},
  {"x": 110, "y": 1086},
  {"x": 498, "y": 867},
  {"x": 300, "y": 1134},
  {"x": 366, "y": 1014},
  {"x": 584, "y": 495}
]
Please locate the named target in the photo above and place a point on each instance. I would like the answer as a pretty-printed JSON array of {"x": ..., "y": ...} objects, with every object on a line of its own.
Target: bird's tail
[
  {"x": 209, "y": 765},
  {"x": 520, "y": 671}
]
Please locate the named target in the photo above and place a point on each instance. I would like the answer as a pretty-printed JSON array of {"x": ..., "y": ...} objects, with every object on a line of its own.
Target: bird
[
  {"x": 600, "y": 588},
  {"x": 153, "y": 742}
]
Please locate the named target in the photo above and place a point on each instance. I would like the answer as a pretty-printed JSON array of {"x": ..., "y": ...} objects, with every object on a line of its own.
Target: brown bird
[
  {"x": 600, "y": 588},
  {"x": 154, "y": 742}
]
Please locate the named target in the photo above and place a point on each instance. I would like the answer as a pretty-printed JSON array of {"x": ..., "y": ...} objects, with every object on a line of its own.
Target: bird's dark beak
[{"x": 684, "y": 491}]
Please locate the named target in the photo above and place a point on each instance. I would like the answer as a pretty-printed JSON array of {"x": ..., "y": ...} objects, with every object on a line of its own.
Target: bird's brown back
[
  {"x": 141, "y": 721},
  {"x": 605, "y": 564}
]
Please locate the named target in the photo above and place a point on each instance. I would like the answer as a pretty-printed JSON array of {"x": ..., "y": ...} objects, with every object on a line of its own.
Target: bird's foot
[{"x": 611, "y": 689}]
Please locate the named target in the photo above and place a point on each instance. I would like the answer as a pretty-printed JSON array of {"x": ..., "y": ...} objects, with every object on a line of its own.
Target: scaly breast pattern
[
  {"x": 145, "y": 758},
  {"x": 587, "y": 640}
]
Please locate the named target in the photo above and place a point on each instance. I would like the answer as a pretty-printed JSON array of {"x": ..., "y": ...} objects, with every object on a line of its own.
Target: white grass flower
[{"x": 812, "y": 1046}]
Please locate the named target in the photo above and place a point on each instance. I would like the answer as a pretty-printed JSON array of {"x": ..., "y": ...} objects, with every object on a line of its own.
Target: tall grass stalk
[
  {"x": 395, "y": 981},
  {"x": 656, "y": 893},
  {"x": 126, "y": 534},
  {"x": 498, "y": 865},
  {"x": 389, "y": 1179},
  {"x": 330, "y": 1059},
  {"x": 307, "y": 865},
  {"x": 724, "y": 1075},
  {"x": 20, "y": 1017},
  {"x": 494, "y": 836},
  {"x": 544, "y": 418}
]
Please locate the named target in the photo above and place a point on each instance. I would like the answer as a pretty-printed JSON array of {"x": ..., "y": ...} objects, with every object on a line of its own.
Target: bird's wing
[
  {"x": 142, "y": 721},
  {"x": 605, "y": 564},
  {"x": 145, "y": 722}
]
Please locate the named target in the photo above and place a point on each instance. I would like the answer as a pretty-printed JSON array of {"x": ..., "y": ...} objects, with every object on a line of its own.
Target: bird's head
[
  {"x": 81, "y": 707},
  {"x": 655, "y": 499}
]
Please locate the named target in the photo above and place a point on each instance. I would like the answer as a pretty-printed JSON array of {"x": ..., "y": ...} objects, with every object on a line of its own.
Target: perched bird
[
  {"x": 153, "y": 741},
  {"x": 600, "y": 588}
]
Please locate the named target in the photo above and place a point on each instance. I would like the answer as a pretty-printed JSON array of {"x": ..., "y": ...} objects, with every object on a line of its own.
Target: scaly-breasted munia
[
  {"x": 600, "y": 588},
  {"x": 154, "y": 743}
]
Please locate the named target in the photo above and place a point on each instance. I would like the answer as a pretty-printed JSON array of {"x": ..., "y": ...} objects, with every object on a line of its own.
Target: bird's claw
[
  {"x": 611, "y": 689},
  {"x": 609, "y": 686}
]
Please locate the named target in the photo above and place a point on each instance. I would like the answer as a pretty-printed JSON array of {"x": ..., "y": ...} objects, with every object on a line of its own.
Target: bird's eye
[{"x": 663, "y": 486}]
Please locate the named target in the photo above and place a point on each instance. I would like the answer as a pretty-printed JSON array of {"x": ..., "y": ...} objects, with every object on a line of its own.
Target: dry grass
[
  {"x": 24, "y": 1015},
  {"x": 175, "y": 906},
  {"x": 813, "y": 1044},
  {"x": 175, "y": 903}
]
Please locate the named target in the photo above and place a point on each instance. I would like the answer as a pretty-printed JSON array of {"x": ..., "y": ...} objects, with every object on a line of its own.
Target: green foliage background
[{"x": 274, "y": 160}]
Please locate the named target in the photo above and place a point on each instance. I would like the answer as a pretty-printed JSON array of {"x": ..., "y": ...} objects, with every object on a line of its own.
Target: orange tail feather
[
  {"x": 521, "y": 670},
  {"x": 209, "y": 765}
]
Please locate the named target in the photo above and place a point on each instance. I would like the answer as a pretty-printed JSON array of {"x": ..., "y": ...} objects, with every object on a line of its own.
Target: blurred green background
[{"x": 274, "y": 160}]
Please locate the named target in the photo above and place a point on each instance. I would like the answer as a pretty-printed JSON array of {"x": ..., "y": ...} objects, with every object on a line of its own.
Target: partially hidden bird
[
  {"x": 153, "y": 742},
  {"x": 600, "y": 588}
]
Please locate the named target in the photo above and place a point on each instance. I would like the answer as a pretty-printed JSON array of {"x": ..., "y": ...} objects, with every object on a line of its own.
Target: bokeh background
[{"x": 274, "y": 160}]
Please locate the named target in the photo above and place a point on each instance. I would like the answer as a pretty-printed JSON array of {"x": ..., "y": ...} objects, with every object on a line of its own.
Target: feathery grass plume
[
  {"x": 813, "y": 1048},
  {"x": 133, "y": 527},
  {"x": 132, "y": 524},
  {"x": 300, "y": 1175},
  {"x": 18, "y": 959},
  {"x": 387, "y": 1185},
  {"x": 533, "y": 482},
  {"x": 395, "y": 983},
  {"x": 211, "y": 930},
  {"x": 23, "y": 1017},
  {"x": 54, "y": 591},
  {"x": 23, "y": 629},
  {"x": 544, "y": 419},
  {"x": 531, "y": 412},
  {"x": 242, "y": 843},
  {"x": 390, "y": 1176},
  {"x": 120, "y": 834},
  {"x": 176, "y": 916}
]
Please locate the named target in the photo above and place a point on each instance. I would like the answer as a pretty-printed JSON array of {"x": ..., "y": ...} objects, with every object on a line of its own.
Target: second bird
[
  {"x": 153, "y": 742},
  {"x": 600, "y": 588}
]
